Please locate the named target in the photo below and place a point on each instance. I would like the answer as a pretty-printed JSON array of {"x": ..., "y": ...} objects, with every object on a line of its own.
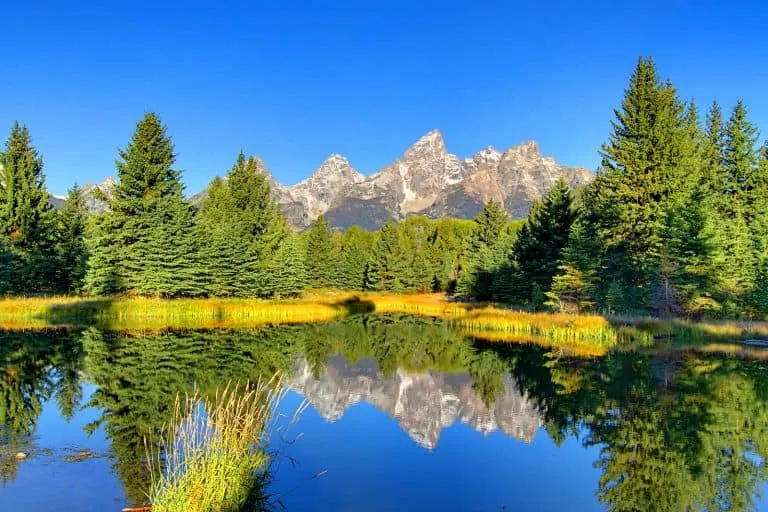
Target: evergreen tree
[
  {"x": 759, "y": 297},
  {"x": 714, "y": 184},
  {"x": 289, "y": 272},
  {"x": 102, "y": 275},
  {"x": 740, "y": 156},
  {"x": 646, "y": 168},
  {"x": 388, "y": 263},
  {"x": 574, "y": 287},
  {"x": 538, "y": 245},
  {"x": 27, "y": 221},
  {"x": 125, "y": 242},
  {"x": 477, "y": 276},
  {"x": 352, "y": 263},
  {"x": 244, "y": 231},
  {"x": 319, "y": 254},
  {"x": 72, "y": 256},
  {"x": 742, "y": 203},
  {"x": 172, "y": 264},
  {"x": 221, "y": 253},
  {"x": 489, "y": 224}
]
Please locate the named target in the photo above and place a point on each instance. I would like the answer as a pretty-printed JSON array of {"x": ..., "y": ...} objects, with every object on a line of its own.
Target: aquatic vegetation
[{"x": 214, "y": 450}]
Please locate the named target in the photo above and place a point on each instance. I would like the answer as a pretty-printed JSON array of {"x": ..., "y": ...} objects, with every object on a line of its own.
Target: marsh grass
[
  {"x": 214, "y": 451},
  {"x": 475, "y": 319}
]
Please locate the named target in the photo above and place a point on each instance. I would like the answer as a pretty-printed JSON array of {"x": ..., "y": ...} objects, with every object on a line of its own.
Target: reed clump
[{"x": 214, "y": 450}]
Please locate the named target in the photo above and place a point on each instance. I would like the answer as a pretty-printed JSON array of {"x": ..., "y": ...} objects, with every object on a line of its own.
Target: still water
[{"x": 392, "y": 413}]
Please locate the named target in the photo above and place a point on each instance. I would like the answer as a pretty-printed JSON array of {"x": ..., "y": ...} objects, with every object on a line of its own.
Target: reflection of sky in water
[
  {"x": 372, "y": 464},
  {"x": 366, "y": 457},
  {"x": 49, "y": 483}
]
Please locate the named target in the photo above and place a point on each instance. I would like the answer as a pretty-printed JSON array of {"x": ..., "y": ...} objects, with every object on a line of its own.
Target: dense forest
[{"x": 675, "y": 223}]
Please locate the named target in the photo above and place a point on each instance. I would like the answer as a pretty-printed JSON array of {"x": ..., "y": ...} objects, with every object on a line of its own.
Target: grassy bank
[{"x": 484, "y": 321}]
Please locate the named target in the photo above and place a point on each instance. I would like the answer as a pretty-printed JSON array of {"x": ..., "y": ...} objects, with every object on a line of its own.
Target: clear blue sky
[{"x": 293, "y": 82}]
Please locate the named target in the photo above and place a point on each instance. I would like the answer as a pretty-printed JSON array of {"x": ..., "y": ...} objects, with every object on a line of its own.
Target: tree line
[{"x": 675, "y": 223}]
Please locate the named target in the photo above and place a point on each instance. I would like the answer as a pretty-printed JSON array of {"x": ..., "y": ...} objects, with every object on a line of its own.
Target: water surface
[{"x": 403, "y": 414}]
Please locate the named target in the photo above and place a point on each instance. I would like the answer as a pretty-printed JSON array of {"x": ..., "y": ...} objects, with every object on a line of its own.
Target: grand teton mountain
[{"x": 426, "y": 180}]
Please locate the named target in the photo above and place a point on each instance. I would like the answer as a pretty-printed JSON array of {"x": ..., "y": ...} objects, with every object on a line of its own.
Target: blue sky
[{"x": 294, "y": 82}]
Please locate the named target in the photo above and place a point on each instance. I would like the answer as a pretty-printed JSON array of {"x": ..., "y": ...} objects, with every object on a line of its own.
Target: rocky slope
[
  {"x": 423, "y": 404},
  {"x": 426, "y": 180}
]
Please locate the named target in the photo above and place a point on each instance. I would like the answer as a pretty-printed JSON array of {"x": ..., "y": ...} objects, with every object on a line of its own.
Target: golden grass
[{"x": 475, "y": 319}]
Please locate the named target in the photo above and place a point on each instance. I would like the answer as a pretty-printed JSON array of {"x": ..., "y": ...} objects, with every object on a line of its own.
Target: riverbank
[{"x": 484, "y": 321}]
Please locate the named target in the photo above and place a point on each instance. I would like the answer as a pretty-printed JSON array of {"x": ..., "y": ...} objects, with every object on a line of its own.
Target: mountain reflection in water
[
  {"x": 674, "y": 430},
  {"x": 422, "y": 403}
]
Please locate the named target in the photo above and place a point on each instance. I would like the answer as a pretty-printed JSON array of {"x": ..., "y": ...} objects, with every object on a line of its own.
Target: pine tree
[
  {"x": 147, "y": 192},
  {"x": 740, "y": 156},
  {"x": 71, "y": 253},
  {"x": 541, "y": 240},
  {"x": 27, "y": 222},
  {"x": 290, "y": 276},
  {"x": 574, "y": 287},
  {"x": 354, "y": 256},
  {"x": 319, "y": 254},
  {"x": 477, "y": 276},
  {"x": 489, "y": 224},
  {"x": 646, "y": 168},
  {"x": 741, "y": 209},
  {"x": 714, "y": 184},
  {"x": 759, "y": 296},
  {"x": 222, "y": 253},
  {"x": 388, "y": 264},
  {"x": 102, "y": 276},
  {"x": 172, "y": 267},
  {"x": 243, "y": 229}
]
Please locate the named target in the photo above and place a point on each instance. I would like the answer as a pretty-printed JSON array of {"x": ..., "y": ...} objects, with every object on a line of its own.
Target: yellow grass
[{"x": 475, "y": 319}]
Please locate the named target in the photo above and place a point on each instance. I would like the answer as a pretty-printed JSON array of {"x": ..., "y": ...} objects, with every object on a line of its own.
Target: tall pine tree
[
  {"x": 147, "y": 198},
  {"x": 71, "y": 253},
  {"x": 244, "y": 231},
  {"x": 319, "y": 254},
  {"x": 27, "y": 221},
  {"x": 644, "y": 171},
  {"x": 537, "y": 249}
]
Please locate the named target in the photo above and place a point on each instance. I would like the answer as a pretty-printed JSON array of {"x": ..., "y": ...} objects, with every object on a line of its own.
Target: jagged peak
[
  {"x": 432, "y": 139},
  {"x": 335, "y": 157},
  {"x": 488, "y": 153},
  {"x": 431, "y": 135},
  {"x": 334, "y": 168}
]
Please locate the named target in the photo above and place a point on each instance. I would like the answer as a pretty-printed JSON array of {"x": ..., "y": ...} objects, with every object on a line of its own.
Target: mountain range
[{"x": 426, "y": 180}]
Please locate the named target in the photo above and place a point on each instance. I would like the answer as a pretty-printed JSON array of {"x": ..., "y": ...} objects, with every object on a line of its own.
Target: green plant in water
[{"x": 214, "y": 450}]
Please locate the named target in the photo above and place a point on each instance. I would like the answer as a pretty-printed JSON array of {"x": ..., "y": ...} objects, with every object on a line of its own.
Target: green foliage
[
  {"x": 27, "y": 221},
  {"x": 289, "y": 274},
  {"x": 351, "y": 267},
  {"x": 320, "y": 254},
  {"x": 243, "y": 231},
  {"x": 388, "y": 264},
  {"x": 490, "y": 245},
  {"x": 537, "y": 249},
  {"x": 71, "y": 252},
  {"x": 172, "y": 265},
  {"x": 137, "y": 245}
]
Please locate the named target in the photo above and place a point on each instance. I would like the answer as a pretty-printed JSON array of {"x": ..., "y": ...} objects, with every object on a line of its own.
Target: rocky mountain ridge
[
  {"x": 423, "y": 404},
  {"x": 426, "y": 180}
]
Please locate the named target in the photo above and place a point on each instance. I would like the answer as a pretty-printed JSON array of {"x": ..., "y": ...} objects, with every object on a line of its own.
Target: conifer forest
[{"x": 675, "y": 223}]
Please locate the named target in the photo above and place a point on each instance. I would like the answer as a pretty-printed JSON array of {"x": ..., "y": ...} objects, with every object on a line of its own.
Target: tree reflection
[{"x": 677, "y": 431}]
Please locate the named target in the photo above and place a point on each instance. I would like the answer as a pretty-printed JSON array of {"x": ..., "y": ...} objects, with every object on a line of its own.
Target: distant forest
[{"x": 675, "y": 223}]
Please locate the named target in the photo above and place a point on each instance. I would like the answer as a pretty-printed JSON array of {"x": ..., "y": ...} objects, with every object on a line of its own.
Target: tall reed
[{"x": 214, "y": 450}]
